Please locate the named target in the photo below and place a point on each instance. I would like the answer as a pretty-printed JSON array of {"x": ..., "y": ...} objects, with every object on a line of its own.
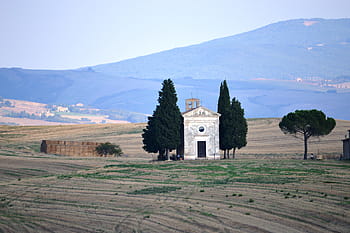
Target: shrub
[{"x": 108, "y": 148}]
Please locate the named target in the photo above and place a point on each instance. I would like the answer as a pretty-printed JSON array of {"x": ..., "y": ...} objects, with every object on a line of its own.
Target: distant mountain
[
  {"x": 285, "y": 50},
  {"x": 296, "y": 64},
  {"x": 78, "y": 86}
]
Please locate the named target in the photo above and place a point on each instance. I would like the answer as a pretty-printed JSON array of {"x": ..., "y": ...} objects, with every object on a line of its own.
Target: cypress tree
[
  {"x": 225, "y": 118},
  {"x": 233, "y": 126},
  {"x": 239, "y": 126},
  {"x": 149, "y": 135},
  {"x": 163, "y": 132}
]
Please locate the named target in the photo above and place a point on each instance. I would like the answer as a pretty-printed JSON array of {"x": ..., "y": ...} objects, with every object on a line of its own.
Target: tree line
[
  {"x": 55, "y": 118},
  {"x": 164, "y": 128},
  {"x": 5, "y": 103}
]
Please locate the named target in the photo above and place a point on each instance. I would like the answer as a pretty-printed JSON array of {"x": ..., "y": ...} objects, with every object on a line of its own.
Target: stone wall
[{"x": 70, "y": 148}]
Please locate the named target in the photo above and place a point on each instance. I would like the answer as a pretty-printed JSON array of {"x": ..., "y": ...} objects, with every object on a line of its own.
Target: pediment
[{"x": 200, "y": 112}]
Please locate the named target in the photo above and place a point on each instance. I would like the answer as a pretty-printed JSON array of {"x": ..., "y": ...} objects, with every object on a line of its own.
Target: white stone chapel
[{"x": 200, "y": 132}]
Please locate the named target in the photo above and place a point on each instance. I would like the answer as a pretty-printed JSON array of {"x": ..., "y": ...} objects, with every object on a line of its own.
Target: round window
[{"x": 201, "y": 129}]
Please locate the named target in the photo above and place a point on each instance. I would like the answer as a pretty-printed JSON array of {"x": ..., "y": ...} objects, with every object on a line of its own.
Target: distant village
[
  {"x": 19, "y": 112},
  {"x": 339, "y": 83}
]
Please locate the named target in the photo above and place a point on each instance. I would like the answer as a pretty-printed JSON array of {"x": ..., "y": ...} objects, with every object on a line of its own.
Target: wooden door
[{"x": 201, "y": 149}]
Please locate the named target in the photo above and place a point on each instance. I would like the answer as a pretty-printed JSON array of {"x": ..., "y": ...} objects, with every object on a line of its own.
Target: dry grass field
[{"x": 268, "y": 188}]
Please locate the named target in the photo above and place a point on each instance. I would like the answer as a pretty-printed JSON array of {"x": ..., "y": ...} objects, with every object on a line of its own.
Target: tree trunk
[
  {"x": 228, "y": 153},
  {"x": 167, "y": 154},
  {"x": 161, "y": 155},
  {"x": 305, "y": 146},
  {"x": 224, "y": 153},
  {"x": 233, "y": 152}
]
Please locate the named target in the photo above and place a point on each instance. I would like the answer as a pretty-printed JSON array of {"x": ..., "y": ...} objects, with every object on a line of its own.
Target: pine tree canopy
[{"x": 307, "y": 123}]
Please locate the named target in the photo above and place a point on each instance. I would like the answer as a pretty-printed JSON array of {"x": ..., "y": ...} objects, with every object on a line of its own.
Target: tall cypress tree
[
  {"x": 239, "y": 126},
  {"x": 163, "y": 132},
  {"x": 224, "y": 109},
  {"x": 233, "y": 126}
]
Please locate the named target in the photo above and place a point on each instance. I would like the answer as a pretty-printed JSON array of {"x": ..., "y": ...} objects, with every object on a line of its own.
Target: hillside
[
  {"x": 296, "y": 64},
  {"x": 264, "y": 138},
  {"x": 268, "y": 188}
]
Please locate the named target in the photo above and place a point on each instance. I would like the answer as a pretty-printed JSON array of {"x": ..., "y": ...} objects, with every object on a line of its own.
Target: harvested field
[
  {"x": 245, "y": 195},
  {"x": 258, "y": 192}
]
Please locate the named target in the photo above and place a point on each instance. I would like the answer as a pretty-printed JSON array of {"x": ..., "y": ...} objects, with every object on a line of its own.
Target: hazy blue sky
[{"x": 65, "y": 34}]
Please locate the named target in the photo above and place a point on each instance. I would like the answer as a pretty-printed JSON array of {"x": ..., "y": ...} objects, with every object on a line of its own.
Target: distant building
[
  {"x": 47, "y": 114},
  {"x": 62, "y": 109},
  {"x": 346, "y": 147},
  {"x": 200, "y": 132}
]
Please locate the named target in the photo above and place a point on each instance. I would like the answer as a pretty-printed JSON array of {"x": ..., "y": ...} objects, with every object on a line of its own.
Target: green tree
[
  {"x": 233, "y": 126},
  {"x": 150, "y": 133},
  {"x": 163, "y": 131},
  {"x": 108, "y": 148},
  {"x": 239, "y": 126},
  {"x": 306, "y": 124},
  {"x": 224, "y": 109}
]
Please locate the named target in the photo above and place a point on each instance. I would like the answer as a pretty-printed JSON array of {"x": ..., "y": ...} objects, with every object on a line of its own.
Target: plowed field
[{"x": 257, "y": 192}]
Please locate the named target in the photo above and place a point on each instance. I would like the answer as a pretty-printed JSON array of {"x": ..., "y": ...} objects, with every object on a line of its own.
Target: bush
[{"x": 108, "y": 148}]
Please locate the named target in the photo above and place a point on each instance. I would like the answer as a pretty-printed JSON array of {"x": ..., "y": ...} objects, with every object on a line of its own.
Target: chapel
[{"x": 200, "y": 132}]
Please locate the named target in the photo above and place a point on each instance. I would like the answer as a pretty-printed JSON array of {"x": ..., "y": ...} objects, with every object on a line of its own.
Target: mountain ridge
[{"x": 227, "y": 52}]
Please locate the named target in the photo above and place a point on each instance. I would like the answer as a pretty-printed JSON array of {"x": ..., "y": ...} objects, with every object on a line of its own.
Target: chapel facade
[{"x": 200, "y": 132}]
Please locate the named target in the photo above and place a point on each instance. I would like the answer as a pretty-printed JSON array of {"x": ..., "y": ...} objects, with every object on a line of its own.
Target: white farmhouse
[
  {"x": 62, "y": 109},
  {"x": 200, "y": 132}
]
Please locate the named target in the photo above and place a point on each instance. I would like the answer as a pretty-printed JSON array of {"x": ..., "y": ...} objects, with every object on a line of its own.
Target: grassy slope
[{"x": 52, "y": 193}]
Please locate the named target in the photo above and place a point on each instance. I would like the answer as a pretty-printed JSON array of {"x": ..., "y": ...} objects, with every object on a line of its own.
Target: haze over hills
[
  {"x": 284, "y": 50},
  {"x": 295, "y": 64}
]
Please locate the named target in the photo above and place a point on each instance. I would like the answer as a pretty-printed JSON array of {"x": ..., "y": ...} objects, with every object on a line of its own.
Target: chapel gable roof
[{"x": 200, "y": 112}]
